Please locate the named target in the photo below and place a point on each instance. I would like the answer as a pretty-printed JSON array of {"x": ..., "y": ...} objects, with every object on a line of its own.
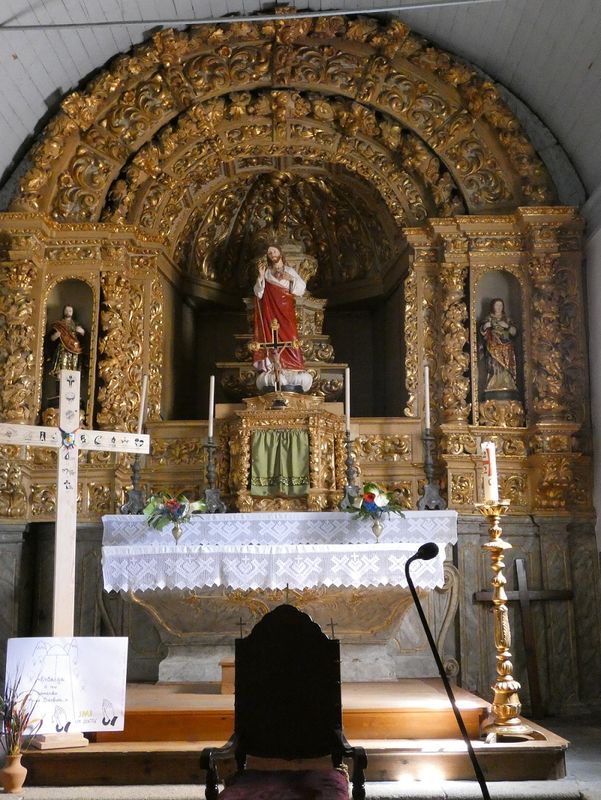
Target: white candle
[
  {"x": 347, "y": 397},
  {"x": 211, "y": 405},
  {"x": 489, "y": 472},
  {"x": 143, "y": 395},
  {"x": 427, "y": 396}
]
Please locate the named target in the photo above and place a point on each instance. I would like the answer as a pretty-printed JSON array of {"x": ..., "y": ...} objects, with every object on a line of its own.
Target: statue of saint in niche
[
  {"x": 277, "y": 284},
  {"x": 499, "y": 333},
  {"x": 66, "y": 333}
]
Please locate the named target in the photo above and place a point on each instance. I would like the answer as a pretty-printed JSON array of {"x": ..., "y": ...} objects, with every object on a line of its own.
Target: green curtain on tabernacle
[{"x": 280, "y": 463}]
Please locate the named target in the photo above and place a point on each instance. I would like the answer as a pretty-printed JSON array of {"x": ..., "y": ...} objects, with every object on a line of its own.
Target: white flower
[
  {"x": 357, "y": 501},
  {"x": 381, "y": 500}
]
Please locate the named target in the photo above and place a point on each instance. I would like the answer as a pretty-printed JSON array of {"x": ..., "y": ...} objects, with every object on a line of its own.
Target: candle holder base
[
  {"x": 431, "y": 499},
  {"x": 351, "y": 492},
  {"x": 215, "y": 504},
  {"x": 135, "y": 503},
  {"x": 494, "y": 731}
]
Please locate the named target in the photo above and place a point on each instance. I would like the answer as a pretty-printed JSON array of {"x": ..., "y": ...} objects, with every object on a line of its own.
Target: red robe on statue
[{"x": 277, "y": 303}]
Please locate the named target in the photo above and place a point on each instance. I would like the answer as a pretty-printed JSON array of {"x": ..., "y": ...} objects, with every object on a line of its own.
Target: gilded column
[
  {"x": 17, "y": 342},
  {"x": 121, "y": 351},
  {"x": 420, "y": 322},
  {"x": 453, "y": 272},
  {"x": 558, "y": 378}
]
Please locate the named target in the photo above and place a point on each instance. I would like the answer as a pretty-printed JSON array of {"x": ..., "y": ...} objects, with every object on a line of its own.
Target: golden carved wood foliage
[
  {"x": 391, "y": 77},
  {"x": 17, "y": 336},
  {"x": 119, "y": 348}
]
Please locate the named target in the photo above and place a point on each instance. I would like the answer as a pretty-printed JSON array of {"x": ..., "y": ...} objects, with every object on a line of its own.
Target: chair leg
[
  {"x": 212, "y": 784},
  {"x": 358, "y": 776}
]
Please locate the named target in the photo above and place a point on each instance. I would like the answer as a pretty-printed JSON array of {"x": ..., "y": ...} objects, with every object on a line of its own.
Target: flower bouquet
[
  {"x": 372, "y": 502},
  {"x": 165, "y": 509}
]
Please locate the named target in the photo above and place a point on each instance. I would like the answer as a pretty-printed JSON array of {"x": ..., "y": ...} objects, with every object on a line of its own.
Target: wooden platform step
[
  {"x": 412, "y": 708},
  {"x": 145, "y": 763},
  {"x": 407, "y": 728}
]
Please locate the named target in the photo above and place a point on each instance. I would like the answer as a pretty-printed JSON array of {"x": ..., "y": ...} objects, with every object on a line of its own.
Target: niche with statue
[
  {"x": 241, "y": 378},
  {"x": 69, "y": 329},
  {"x": 498, "y": 328}
]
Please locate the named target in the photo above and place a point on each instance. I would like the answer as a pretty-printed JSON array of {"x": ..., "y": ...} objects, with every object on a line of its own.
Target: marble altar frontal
[{"x": 227, "y": 570}]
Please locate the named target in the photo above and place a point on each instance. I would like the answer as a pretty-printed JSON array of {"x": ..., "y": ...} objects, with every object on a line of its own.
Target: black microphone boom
[{"x": 425, "y": 553}]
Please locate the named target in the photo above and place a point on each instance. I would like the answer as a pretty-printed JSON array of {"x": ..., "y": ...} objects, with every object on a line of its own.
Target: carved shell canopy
[
  {"x": 338, "y": 219},
  {"x": 178, "y": 136}
]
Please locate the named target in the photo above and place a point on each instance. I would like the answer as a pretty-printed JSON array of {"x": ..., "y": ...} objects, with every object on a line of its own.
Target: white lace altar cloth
[{"x": 272, "y": 551}]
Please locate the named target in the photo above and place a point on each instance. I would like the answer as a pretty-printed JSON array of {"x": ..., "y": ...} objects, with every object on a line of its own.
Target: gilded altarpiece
[{"x": 144, "y": 187}]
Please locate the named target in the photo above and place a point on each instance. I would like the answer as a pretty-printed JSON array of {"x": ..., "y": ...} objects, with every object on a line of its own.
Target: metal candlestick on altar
[
  {"x": 351, "y": 491},
  {"x": 506, "y": 706},
  {"x": 135, "y": 497},
  {"x": 215, "y": 504},
  {"x": 431, "y": 500}
]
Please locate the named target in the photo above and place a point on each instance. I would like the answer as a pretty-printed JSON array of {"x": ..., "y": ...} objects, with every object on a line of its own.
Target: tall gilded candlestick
[{"x": 506, "y": 706}]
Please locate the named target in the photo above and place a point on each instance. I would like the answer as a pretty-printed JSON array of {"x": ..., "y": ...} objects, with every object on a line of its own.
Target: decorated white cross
[{"x": 69, "y": 439}]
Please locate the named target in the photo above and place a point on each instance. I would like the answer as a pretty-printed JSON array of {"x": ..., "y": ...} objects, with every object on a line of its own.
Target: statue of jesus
[{"x": 276, "y": 286}]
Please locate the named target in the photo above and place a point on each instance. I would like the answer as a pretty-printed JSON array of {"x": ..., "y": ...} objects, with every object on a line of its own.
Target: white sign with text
[{"x": 77, "y": 683}]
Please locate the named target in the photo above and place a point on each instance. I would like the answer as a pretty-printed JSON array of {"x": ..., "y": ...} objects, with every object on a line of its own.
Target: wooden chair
[{"x": 287, "y": 706}]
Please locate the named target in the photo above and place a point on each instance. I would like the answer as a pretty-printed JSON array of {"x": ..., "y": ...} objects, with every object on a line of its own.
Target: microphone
[{"x": 426, "y": 552}]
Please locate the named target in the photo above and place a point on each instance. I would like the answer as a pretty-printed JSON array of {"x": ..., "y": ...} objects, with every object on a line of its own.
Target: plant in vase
[
  {"x": 16, "y": 708},
  {"x": 372, "y": 502},
  {"x": 166, "y": 509}
]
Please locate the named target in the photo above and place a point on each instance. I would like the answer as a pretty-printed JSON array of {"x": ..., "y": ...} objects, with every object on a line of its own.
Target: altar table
[
  {"x": 274, "y": 551},
  {"x": 227, "y": 570}
]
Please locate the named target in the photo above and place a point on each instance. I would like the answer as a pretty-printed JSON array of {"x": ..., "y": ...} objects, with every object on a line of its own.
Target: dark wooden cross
[
  {"x": 524, "y": 597},
  {"x": 276, "y": 347}
]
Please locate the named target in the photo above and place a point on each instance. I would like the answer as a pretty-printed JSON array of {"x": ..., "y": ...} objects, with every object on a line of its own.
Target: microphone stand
[{"x": 425, "y": 553}]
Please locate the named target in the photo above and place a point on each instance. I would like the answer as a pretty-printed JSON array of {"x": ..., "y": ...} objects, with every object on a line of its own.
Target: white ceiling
[{"x": 546, "y": 52}]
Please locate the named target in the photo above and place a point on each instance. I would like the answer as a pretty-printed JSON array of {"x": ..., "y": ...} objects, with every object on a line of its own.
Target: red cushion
[{"x": 323, "y": 784}]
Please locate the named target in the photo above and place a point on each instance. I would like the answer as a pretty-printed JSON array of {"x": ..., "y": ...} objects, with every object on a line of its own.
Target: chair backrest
[{"x": 287, "y": 690}]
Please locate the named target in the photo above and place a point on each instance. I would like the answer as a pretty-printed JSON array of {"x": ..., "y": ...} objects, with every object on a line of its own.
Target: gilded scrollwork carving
[
  {"x": 119, "y": 349},
  {"x": 392, "y": 74},
  {"x": 17, "y": 338},
  {"x": 42, "y": 499},
  {"x": 79, "y": 187},
  {"x": 462, "y": 489},
  {"x": 455, "y": 360},
  {"x": 502, "y": 413},
  {"x": 514, "y": 488},
  {"x": 13, "y": 501},
  {"x": 558, "y": 484},
  {"x": 547, "y": 340},
  {"x": 382, "y": 448},
  {"x": 100, "y": 499},
  {"x": 179, "y": 451},
  {"x": 457, "y": 444},
  {"x": 411, "y": 339}
]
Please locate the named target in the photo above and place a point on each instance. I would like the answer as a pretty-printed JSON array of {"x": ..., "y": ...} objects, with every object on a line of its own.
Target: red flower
[{"x": 369, "y": 496}]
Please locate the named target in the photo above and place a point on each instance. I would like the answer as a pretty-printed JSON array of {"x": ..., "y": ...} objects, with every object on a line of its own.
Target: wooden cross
[
  {"x": 276, "y": 348},
  {"x": 69, "y": 439},
  {"x": 524, "y": 597}
]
